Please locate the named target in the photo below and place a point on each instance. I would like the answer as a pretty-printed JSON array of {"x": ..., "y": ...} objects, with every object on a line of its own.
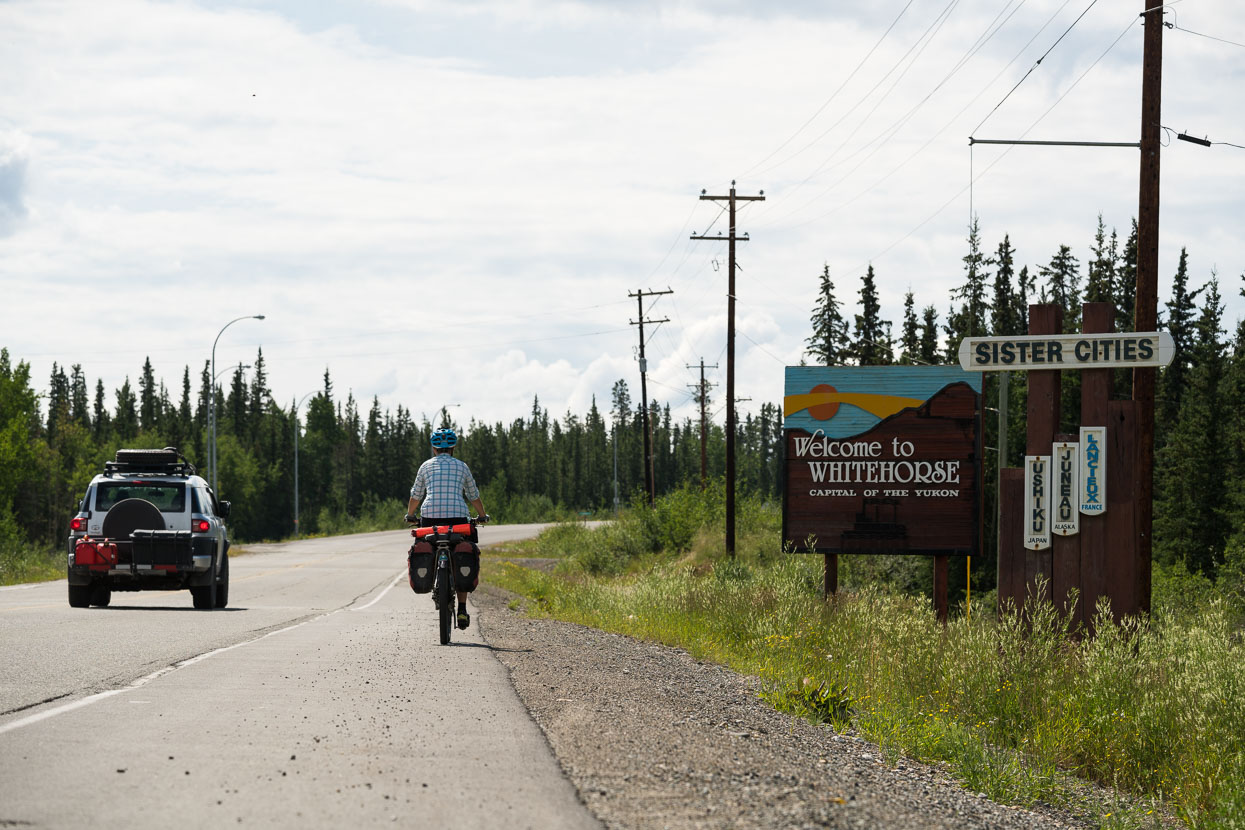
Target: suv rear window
[{"x": 169, "y": 496}]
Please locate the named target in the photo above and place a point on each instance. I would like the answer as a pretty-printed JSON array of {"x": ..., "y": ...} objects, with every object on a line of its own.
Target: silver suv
[{"x": 149, "y": 523}]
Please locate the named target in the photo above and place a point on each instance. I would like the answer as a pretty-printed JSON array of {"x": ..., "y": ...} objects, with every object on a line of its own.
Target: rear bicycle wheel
[{"x": 445, "y": 605}]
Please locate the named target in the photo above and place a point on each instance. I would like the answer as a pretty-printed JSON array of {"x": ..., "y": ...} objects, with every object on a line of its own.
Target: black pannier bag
[
  {"x": 420, "y": 567},
  {"x": 466, "y": 566}
]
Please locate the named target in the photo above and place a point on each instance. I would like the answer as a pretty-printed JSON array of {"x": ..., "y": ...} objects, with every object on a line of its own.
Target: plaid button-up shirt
[{"x": 441, "y": 485}]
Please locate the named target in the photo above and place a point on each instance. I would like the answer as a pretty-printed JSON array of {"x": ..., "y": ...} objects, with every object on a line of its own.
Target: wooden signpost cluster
[{"x": 1061, "y": 532}]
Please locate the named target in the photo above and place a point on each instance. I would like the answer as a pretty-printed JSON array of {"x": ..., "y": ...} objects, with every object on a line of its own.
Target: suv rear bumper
[{"x": 153, "y": 559}]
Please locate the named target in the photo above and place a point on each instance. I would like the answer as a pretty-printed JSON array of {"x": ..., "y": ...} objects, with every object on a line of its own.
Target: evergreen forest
[{"x": 356, "y": 460}]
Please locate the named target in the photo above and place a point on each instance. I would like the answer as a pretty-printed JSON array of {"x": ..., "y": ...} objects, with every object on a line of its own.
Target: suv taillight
[
  {"x": 78, "y": 523},
  {"x": 201, "y": 525}
]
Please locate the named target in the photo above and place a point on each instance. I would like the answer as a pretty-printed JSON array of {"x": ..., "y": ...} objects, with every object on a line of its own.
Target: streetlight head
[{"x": 259, "y": 316}]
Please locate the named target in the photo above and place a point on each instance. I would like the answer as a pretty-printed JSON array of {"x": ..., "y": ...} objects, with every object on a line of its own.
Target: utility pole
[
  {"x": 702, "y": 395},
  {"x": 731, "y": 239},
  {"x": 650, "y": 486},
  {"x": 1145, "y": 310}
]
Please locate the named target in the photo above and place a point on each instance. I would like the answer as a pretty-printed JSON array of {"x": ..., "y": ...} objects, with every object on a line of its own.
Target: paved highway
[{"x": 319, "y": 697}]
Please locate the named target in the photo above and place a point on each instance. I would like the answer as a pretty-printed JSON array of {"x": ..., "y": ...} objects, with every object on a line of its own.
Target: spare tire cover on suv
[{"x": 129, "y": 515}]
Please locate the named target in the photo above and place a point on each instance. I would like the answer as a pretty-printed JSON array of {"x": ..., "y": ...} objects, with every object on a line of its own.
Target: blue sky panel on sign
[{"x": 843, "y": 401}]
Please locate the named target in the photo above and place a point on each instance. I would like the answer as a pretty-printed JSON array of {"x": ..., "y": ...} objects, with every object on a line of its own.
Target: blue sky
[{"x": 450, "y": 201}]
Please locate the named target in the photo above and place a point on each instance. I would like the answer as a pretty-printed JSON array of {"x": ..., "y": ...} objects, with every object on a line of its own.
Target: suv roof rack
[{"x": 167, "y": 461}]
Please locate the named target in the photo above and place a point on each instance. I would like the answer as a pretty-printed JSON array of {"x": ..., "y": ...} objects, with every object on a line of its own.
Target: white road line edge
[
  {"x": 28, "y": 585},
  {"x": 143, "y": 681},
  {"x": 378, "y": 597}
]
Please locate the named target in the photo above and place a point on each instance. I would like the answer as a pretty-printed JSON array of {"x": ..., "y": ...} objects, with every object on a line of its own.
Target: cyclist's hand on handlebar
[
  {"x": 483, "y": 519},
  {"x": 409, "y": 519}
]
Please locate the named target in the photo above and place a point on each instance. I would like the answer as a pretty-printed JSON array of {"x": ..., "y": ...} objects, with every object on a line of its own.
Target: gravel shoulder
[{"x": 653, "y": 738}]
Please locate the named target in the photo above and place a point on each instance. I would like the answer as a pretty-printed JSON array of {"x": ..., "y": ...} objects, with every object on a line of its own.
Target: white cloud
[{"x": 438, "y": 207}]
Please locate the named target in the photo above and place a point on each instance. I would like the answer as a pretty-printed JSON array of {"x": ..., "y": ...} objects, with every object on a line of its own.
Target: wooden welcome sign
[{"x": 882, "y": 459}]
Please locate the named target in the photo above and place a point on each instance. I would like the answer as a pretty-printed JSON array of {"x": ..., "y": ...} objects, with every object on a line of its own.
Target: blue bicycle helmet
[{"x": 444, "y": 438}]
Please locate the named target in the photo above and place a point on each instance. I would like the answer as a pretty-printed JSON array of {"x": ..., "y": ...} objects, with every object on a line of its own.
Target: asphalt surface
[{"x": 319, "y": 697}]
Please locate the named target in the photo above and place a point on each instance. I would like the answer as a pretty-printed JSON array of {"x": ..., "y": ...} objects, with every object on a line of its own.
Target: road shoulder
[{"x": 652, "y": 737}]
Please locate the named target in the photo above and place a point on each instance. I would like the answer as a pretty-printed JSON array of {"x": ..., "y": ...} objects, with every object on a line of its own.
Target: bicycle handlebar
[{"x": 482, "y": 519}]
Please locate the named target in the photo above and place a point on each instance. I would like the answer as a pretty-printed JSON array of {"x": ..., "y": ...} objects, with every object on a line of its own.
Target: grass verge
[
  {"x": 1152, "y": 709},
  {"x": 21, "y": 563}
]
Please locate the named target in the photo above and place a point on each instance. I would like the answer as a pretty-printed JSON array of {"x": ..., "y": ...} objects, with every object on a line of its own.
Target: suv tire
[
  {"x": 222, "y": 590},
  {"x": 80, "y": 596},
  {"x": 204, "y": 596}
]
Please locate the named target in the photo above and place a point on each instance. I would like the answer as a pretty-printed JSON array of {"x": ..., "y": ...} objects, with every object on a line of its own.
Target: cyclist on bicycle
[{"x": 443, "y": 486}]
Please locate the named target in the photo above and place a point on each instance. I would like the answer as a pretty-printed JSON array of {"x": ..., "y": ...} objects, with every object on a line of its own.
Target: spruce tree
[
  {"x": 1181, "y": 323},
  {"x": 1100, "y": 271},
  {"x": 910, "y": 340},
  {"x": 79, "y": 403},
  {"x": 1005, "y": 320},
  {"x": 1192, "y": 509},
  {"x": 148, "y": 401},
  {"x": 202, "y": 412},
  {"x": 101, "y": 423},
  {"x": 1234, "y": 402},
  {"x": 184, "y": 420},
  {"x": 929, "y": 354},
  {"x": 125, "y": 422},
  {"x": 260, "y": 397},
  {"x": 58, "y": 399},
  {"x": 828, "y": 343},
  {"x": 870, "y": 343},
  {"x": 1126, "y": 284},
  {"x": 1024, "y": 294},
  {"x": 1063, "y": 285},
  {"x": 969, "y": 320}
]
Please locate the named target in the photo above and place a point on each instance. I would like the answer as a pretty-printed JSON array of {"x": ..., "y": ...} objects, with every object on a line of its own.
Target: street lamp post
[
  {"x": 212, "y": 391},
  {"x": 297, "y": 529}
]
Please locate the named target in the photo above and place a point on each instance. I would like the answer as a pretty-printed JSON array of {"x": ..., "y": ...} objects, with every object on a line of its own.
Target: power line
[
  {"x": 925, "y": 37},
  {"x": 1180, "y": 28},
  {"x": 1036, "y": 64},
  {"x": 1002, "y": 155},
  {"x": 834, "y": 94},
  {"x": 886, "y": 135},
  {"x": 762, "y": 348}
]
